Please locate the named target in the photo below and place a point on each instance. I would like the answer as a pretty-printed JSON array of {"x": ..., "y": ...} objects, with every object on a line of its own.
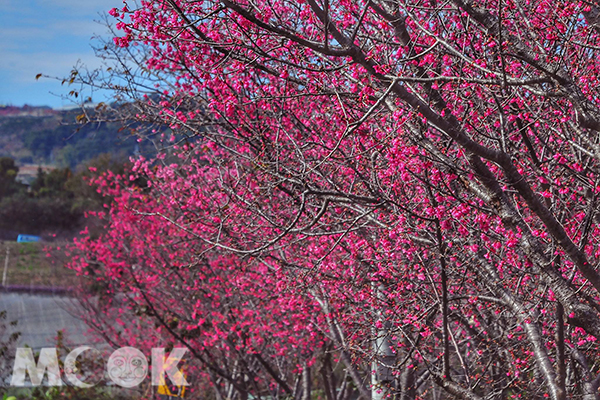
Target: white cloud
[
  {"x": 77, "y": 27},
  {"x": 15, "y": 36},
  {"x": 24, "y": 67},
  {"x": 78, "y": 7},
  {"x": 49, "y": 37}
]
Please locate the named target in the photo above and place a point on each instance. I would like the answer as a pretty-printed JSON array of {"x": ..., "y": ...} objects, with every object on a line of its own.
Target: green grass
[{"x": 29, "y": 264}]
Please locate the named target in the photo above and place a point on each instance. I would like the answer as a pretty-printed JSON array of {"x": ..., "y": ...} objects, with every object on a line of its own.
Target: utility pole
[{"x": 5, "y": 266}]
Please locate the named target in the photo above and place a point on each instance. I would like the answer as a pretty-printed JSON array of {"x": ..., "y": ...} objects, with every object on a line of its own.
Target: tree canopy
[{"x": 399, "y": 195}]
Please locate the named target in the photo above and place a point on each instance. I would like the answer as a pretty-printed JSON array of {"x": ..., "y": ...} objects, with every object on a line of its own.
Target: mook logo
[{"x": 126, "y": 367}]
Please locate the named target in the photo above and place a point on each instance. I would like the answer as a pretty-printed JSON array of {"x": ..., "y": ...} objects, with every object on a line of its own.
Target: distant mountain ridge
[
  {"x": 42, "y": 135},
  {"x": 26, "y": 110}
]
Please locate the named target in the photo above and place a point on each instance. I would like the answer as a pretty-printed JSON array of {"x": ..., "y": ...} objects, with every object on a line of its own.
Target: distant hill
[
  {"x": 12, "y": 111},
  {"x": 41, "y": 135}
]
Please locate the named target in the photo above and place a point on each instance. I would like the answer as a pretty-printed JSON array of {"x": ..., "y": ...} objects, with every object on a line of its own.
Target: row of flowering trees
[{"x": 360, "y": 198}]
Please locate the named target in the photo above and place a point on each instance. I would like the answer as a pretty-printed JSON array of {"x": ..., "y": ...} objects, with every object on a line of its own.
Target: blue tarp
[{"x": 28, "y": 238}]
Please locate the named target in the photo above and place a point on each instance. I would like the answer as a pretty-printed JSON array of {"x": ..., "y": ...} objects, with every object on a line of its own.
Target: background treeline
[{"x": 55, "y": 201}]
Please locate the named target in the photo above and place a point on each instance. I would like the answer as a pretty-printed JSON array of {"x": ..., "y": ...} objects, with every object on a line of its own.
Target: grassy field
[{"x": 35, "y": 264}]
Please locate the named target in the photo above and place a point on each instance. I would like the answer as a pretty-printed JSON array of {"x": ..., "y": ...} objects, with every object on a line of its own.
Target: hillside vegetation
[{"x": 46, "y": 136}]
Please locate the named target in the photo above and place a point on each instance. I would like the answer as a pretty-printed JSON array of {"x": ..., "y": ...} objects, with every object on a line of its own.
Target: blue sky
[{"x": 49, "y": 37}]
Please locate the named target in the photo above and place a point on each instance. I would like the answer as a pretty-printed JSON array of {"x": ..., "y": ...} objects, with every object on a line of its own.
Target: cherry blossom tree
[{"x": 407, "y": 189}]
